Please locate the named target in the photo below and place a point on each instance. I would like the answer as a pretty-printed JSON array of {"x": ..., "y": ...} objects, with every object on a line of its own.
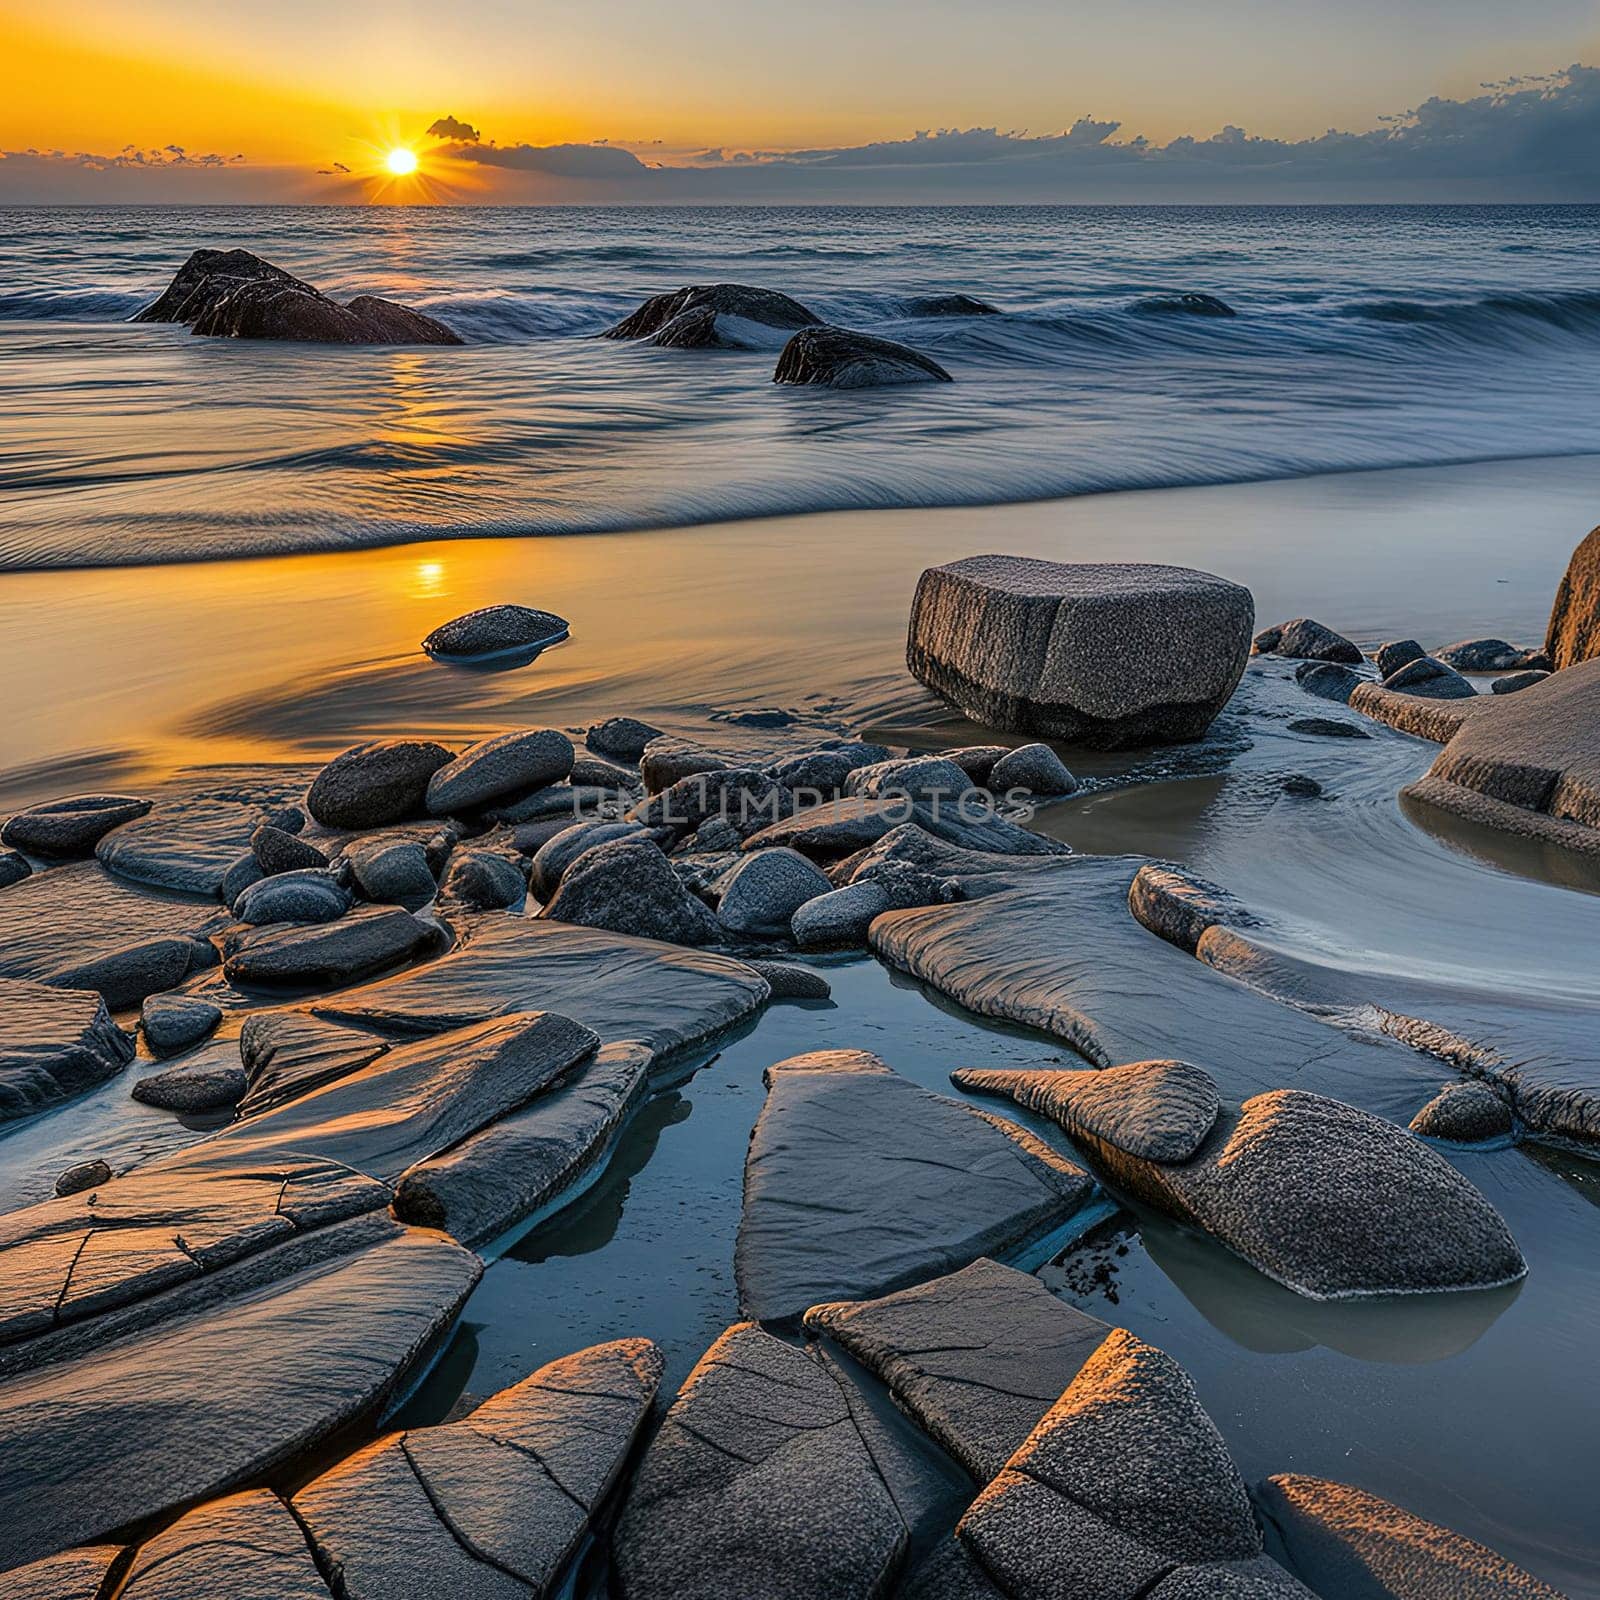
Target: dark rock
[
  {"x": 976, "y": 1358},
  {"x": 666, "y": 760},
  {"x": 67, "y": 830},
  {"x": 758, "y": 1483},
  {"x": 843, "y": 359},
  {"x": 245, "y": 871},
  {"x": 499, "y": 769},
  {"x": 199, "y": 1086},
  {"x": 1302, "y": 787},
  {"x": 356, "y": 947},
  {"x": 85, "y": 1175},
  {"x": 1183, "y": 305},
  {"x": 1328, "y": 680},
  {"x": 950, "y": 1573},
  {"x": 977, "y": 760},
  {"x": 496, "y": 1504},
  {"x": 287, "y": 1054},
  {"x": 1306, "y": 640},
  {"x": 566, "y": 802},
  {"x": 624, "y": 738},
  {"x": 558, "y": 852},
  {"x": 54, "y": 1042},
  {"x": 789, "y": 980},
  {"x": 13, "y": 868},
  {"x": 495, "y": 631},
  {"x": 374, "y": 785},
  {"x": 1517, "y": 681},
  {"x": 715, "y": 835},
  {"x": 310, "y": 895},
  {"x": 277, "y": 850},
  {"x": 767, "y": 307},
  {"x": 1349, "y": 1543},
  {"x": 1179, "y": 905},
  {"x": 1574, "y": 631},
  {"x": 947, "y": 305},
  {"x": 839, "y": 828},
  {"x": 1465, "y": 1113},
  {"x": 206, "y": 278},
  {"x": 628, "y": 886},
  {"x": 825, "y": 771},
  {"x": 1430, "y": 678},
  {"x": 839, "y": 919},
  {"x": 1266, "y": 642},
  {"x": 930, "y": 778},
  {"x": 483, "y": 881},
  {"x": 744, "y": 797},
  {"x": 1328, "y": 728},
  {"x": 840, "y": 1129},
  {"x": 590, "y": 772},
  {"x": 174, "y": 1022},
  {"x": 1035, "y": 769},
  {"x": 1396, "y": 654},
  {"x": 1490, "y": 655},
  {"x": 393, "y": 871},
  {"x": 1106, "y": 654},
  {"x": 765, "y": 889}
]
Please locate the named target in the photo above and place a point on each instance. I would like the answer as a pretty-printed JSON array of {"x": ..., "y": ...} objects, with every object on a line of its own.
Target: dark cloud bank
[{"x": 1521, "y": 140}]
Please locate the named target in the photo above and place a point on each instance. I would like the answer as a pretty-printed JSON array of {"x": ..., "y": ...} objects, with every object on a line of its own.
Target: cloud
[
  {"x": 455, "y": 131},
  {"x": 601, "y": 161}
]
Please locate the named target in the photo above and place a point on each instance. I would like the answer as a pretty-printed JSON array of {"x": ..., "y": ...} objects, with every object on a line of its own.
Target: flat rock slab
[
  {"x": 199, "y": 1403},
  {"x": 299, "y": 955},
  {"x": 1111, "y": 654},
  {"x": 1352, "y": 1544},
  {"x": 77, "y": 927},
  {"x": 70, "y": 828},
  {"x": 1158, "y": 1110},
  {"x": 72, "y": 1575},
  {"x": 54, "y": 1043},
  {"x": 759, "y": 1483},
  {"x": 859, "y": 1182},
  {"x": 975, "y": 1358},
  {"x": 200, "y": 826},
  {"x": 496, "y": 1504},
  {"x": 245, "y": 1546},
  {"x": 839, "y": 828},
  {"x": 666, "y": 997},
  {"x": 287, "y": 1054}
]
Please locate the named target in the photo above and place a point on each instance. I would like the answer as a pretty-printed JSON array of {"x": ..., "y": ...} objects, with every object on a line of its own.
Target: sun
[{"x": 401, "y": 162}]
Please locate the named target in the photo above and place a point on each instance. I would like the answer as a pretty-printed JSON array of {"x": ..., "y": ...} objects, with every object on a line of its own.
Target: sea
[{"x": 1366, "y": 337}]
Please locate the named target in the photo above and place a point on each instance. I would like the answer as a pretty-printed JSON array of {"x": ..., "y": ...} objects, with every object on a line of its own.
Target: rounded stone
[
  {"x": 495, "y": 631},
  {"x": 1034, "y": 768},
  {"x": 66, "y": 830},
  {"x": 1464, "y": 1113},
  {"x": 483, "y": 880},
  {"x": 175, "y": 1022},
  {"x": 85, "y": 1175},
  {"x": 375, "y": 785},
  {"x": 192, "y": 1088},
  {"x": 765, "y": 890},
  {"x": 499, "y": 768}
]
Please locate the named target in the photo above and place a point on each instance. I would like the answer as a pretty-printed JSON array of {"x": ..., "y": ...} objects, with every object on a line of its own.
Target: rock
[
  {"x": 1125, "y": 1479},
  {"x": 841, "y": 1131},
  {"x": 205, "y": 279},
  {"x": 356, "y": 947},
  {"x": 1332, "y": 1202},
  {"x": 826, "y": 771},
  {"x": 246, "y": 1546},
  {"x": 1306, "y": 640},
  {"x": 950, "y": 1573},
  {"x": 666, "y": 760},
  {"x": 1430, "y": 678},
  {"x": 245, "y": 871},
  {"x": 929, "y": 778},
  {"x": 623, "y": 738},
  {"x": 495, "y": 631},
  {"x": 839, "y": 919},
  {"x": 1328, "y": 680},
  {"x": 175, "y": 1022},
  {"x": 789, "y": 980},
  {"x": 628, "y": 886},
  {"x": 1396, "y": 654},
  {"x": 1464, "y": 1113},
  {"x": 311, "y": 895},
  {"x": 1347, "y": 1542},
  {"x": 1438, "y": 720},
  {"x": 745, "y": 798},
  {"x": 947, "y": 305},
  {"x": 287, "y": 1054},
  {"x": 664, "y": 996},
  {"x": 77, "y": 927},
  {"x": 714, "y": 836},
  {"x": 54, "y": 1042},
  {"x": 564, "y": 802},
  {"x": 393, "y": 872},
  {"x": 975, "y": 1358},
  {"x": 85, "y": 1175},
  {"x": 758, "y": 1483},
  {"x": 1160, "y": 1111},
  {"x": 843, "y": 359},
  {"x": 1183, "y": 305},
  {"x": 1180, "y": 906},
  {"x": 1328, "y": 728},
  {"x": 521, "y": 1166},
  {"x": 498, "y": 769},
  {"x": 1106, "y": 654},
  {"x": 277, "y": 850},
  {"x": 374, "y": 785},
  {"x": 349, "y": 1310},
  {"x": 1302, "y": 787},
  {"x": 483, "y": 881},
  {"x": 590, "y": 773},
  {"x": 1489, "y": 655},
  {"x": 839, "y": 828},
  {"x": 72, "y": 1575},
  {"x": 766, "y": 889},
  {"x": 495, "y": 1504},
  {"x": 558, "y": 853},
  {"x": 1266, "y": 642},
  {"x": 192, "y": 1087},
  {"x": 737, "y": 301},
  {"x": 1516, "y": 681},
  {"x": 1033, "y": 768},
  {"x": 67, "y": 830},
  {"x": 1574, "y": 631},
  {"x": 977, "y": 760},
  {"x": 13, "y": 868}
]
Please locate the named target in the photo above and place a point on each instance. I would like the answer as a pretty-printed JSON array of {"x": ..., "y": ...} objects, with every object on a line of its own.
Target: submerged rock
[
  {"x": 1328, "y": 728},
  {"x": 789, "y": 980},
  {"x": 1189, "y": 304},
  {"x": 1573, "y": 634},
  {"x": 628, "y": 886},
  {"x": 498, "y": 769},
  {"x": 875, "y": 1152},
  {"x": 325, "y": 956},
  {"x": 843, "y": 359},
  {"x": 765, "y": 307},
  {"x": 374, "y": 785},
  {"x": 495, "y": 1504},
  {"x": 1105, "y": 654},
  {"x": 175, "y": 1022},
  {"x": 495, "y": 631},
  {"x": 1328, "y": 680},
  {"x": 947, "y": 305},
  {"x": 1304, "y": 639},
  {"x": 624, "y": 738},
  {"x": 1464, "y": 1112},
  {"x": 1490, "y": 655},
  {"x": 1517, "y": 681},
  {"x": 197, "y": 1086},
  {"x": 67, "y": 830},
  {"x": 53, "y": 1043}
]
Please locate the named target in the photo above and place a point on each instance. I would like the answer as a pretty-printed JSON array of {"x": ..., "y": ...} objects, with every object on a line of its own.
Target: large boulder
[
  {"x": 1573, "y": 634},
  {"x": 713, "y": 314},
  {"x": 840, "y": 358},
  {"x": 374, "y": 785},
  {"x": 503, "y": 630},
  {"x": 1110, "y": 654},
  {"x": 300, "y": 955}
]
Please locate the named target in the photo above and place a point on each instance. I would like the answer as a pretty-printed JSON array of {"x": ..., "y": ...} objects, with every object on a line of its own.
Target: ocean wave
[
  {"x": 1574, "y": 311},
  {"x": 71, "y": 305}
]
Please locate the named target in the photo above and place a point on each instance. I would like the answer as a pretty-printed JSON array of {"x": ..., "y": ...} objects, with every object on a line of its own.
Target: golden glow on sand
[{"x": 401, "y": 162}]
